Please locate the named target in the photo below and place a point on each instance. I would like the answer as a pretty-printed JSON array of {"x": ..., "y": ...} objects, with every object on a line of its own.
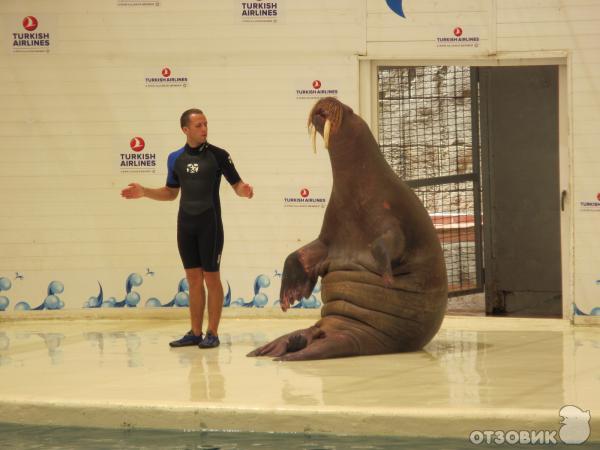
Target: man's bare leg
[
  {"x": 215, "y": 300},
  {"x": 195, "y": 279}
]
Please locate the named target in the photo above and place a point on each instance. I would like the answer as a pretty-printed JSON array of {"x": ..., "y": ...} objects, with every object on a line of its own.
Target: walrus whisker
[{"x": 326, "y": 132}]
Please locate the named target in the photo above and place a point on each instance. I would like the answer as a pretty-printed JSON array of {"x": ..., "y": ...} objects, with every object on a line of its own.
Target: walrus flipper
[
  {"x": 385, "y": 248},
  {"x": 288, "y": 343},
  {"x": 300, "y": 273},
  {"x": 328, "y": 345},
  {"x": 309, "y": 344}
]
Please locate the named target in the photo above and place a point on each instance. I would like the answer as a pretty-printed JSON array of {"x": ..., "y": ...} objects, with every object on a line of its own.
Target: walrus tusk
[
  {"x": 313, "y": 138},
  {"x": 326, "y": 132}
]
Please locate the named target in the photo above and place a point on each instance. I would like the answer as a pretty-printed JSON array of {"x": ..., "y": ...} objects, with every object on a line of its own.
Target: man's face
[{"x": 196, "y": 129}]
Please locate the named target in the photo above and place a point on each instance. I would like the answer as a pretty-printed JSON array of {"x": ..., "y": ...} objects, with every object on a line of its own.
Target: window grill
[{"x": 428, "y": 133}]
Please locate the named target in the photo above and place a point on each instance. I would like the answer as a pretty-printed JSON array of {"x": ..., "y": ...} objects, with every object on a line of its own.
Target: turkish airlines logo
[
  {"x": 166, "y": 72},
  {"x": 30, "y": 23},
  {"x": 137, "y": 144},
  {"x": 192, "y": 168},
  {"x": 304, "y": 193},
  {"x": 316, "y": 84},
  {"x": 458, "y": 32}
]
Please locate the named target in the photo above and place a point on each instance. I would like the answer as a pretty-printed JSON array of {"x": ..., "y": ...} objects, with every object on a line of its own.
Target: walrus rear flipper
[
  {"x": 330, "y": 345},
  {"x": 289, "y": 343},
  {"x": 309, "y": 344}
]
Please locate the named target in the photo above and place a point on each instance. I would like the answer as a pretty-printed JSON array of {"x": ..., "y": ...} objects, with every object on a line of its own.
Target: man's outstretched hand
[
  {"x": 244, "y": 190},
  {"x": 133, "y": 190}
]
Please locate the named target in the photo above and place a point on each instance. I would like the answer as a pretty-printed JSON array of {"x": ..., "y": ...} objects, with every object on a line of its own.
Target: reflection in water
[
  {"x": 132, "y": 342},
  {"x": 582, "y": 379},
  {"x": 457, "y": 352},
  {"x": 53, "y": 344},
  {"x": 4, "y": 346},
  {"x": 4, "y": 341},
  {"x": 460, "y": 367},
  {"x": 51, "y": 340},
  {"x": 206, "y": 380}
]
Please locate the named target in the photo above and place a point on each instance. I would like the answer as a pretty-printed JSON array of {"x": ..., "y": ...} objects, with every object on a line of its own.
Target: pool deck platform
[{"x": 115, "y": 369}]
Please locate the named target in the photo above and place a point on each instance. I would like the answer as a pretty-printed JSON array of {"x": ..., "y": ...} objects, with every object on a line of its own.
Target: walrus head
[{"x": 326, "y": 117}]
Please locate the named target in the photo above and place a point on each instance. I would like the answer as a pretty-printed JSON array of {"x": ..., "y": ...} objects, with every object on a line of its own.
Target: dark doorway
[{"x": 521, "y": 193}]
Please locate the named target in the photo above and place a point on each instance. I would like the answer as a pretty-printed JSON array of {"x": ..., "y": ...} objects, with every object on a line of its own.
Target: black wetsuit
[{"x": 197, "y": 171}]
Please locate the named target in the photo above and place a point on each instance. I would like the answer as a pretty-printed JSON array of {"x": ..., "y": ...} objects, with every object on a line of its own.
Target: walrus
[{"x": 383, "y": 276}]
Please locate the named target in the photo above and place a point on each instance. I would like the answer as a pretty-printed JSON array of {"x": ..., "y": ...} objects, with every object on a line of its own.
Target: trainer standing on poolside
[{"x": 196, "y": 170}]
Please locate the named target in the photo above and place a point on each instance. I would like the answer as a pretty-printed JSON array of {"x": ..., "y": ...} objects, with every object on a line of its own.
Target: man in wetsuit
[{"x": 196, "y": 170}]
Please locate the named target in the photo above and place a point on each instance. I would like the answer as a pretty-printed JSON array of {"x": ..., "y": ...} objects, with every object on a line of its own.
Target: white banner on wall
[
  {"x": 134, "y": 155},
  {"x": 305, "y": 197},
  {"x": 590, "y": 202},
  {"x": 166, "y": 76},
  {"x": 30, "y": 34},
  {"x": 151, "y": 3},
  {"x": 458, "y": 36},
  {"x": 259, "y": 11},
  {"x": 307, "y": 89}
]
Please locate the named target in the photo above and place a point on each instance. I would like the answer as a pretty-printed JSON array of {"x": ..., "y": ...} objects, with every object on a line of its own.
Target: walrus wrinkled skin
[{"x": 384, "y": 285}]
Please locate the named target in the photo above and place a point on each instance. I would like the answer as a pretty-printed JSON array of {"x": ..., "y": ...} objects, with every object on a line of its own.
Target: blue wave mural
[
  {"x": 578, "y": 312},
  {"x": 5, "y": 285},
  {"x": 259, "y": 300},
  {"x": 52, "y": 300},
  {"x": 131, "y": 299},
  {"x": 180, "y": 299}
]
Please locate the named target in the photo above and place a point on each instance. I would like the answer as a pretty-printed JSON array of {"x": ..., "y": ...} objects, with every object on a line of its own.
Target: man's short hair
[{"x": 185, "y": 117}]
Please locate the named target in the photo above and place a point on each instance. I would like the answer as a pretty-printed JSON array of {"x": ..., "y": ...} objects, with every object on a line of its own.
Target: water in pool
[{"x": 20, "y": 437}]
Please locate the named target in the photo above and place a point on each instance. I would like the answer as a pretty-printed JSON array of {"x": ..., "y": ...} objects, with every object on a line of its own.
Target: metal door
[
  {"x": 519, "y": 129},
  {"x": 428, "y": 133}
]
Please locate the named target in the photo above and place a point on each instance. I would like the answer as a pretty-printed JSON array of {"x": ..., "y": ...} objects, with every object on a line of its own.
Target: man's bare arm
[{"x": 135, "y": 190}]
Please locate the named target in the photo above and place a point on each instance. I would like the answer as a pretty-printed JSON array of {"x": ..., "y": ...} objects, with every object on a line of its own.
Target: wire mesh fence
[{"x": 428, "y": 134}]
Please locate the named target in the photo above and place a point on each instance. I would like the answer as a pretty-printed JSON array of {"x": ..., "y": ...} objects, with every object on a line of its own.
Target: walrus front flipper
[
  {"x": 384, "y": 249},
  {"x": 300, "y": 273}
]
